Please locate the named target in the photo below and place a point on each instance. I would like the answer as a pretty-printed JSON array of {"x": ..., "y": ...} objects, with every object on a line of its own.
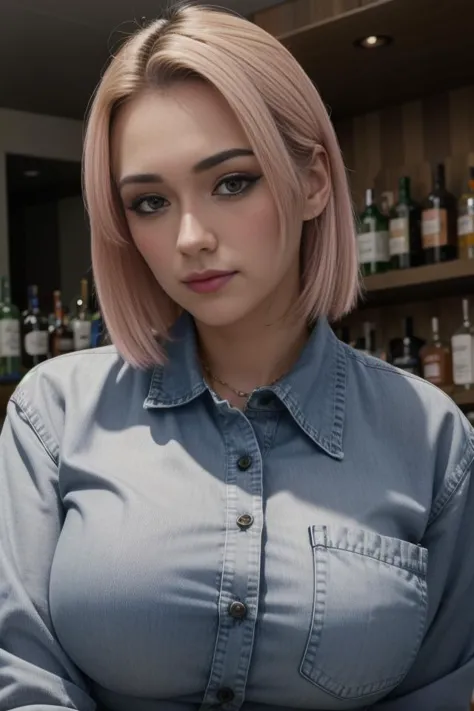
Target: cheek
[
  {"x": 152, "y": 244},
  {"x": 263, "y": 231}
]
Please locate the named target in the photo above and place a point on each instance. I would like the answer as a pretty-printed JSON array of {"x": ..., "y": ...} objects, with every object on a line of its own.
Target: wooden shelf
[
  {"x": 454, "y": 278},
  {"x": 462, "y": 398},
  {"x": 432, "y": 41}
]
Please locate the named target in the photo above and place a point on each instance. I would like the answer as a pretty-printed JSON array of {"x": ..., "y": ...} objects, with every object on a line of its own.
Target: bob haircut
[{"x": 287, "y": 126}]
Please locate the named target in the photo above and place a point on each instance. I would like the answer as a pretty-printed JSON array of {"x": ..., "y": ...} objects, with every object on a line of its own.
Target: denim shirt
[{"x": 161, "y": 550}]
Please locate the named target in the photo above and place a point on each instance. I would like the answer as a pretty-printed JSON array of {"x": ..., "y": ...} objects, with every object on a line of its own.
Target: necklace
[{"x": 239, "y": 393}]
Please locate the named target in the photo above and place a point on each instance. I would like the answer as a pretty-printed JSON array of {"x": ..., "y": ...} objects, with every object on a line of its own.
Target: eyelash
[{"x": 251, "y": 180}]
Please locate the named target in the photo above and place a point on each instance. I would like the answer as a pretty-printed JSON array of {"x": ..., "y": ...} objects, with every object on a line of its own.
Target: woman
[{"x": 228, "y": 508}]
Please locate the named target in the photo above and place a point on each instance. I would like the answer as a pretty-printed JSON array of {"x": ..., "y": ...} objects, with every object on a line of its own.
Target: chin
[{"x": 219, "y": 315}]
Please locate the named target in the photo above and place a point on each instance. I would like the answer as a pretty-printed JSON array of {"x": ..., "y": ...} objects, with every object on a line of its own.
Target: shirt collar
[{"x": 314, "y": 391}]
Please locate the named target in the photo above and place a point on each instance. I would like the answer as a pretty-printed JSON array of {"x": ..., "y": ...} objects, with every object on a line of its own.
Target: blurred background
[{"x": 398, "y": 81}]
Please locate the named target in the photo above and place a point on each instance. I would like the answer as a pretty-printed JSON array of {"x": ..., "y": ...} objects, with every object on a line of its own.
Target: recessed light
[
  {"x": 31, "y": 173},
  {"x": 373, "y": 41}
]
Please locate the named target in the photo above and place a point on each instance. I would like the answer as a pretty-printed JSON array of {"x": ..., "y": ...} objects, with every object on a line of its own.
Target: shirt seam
[
  {"x": 36, "y": 424},
  {"x": 454, "y": 481},
  {"x": 387, "y": 368}
]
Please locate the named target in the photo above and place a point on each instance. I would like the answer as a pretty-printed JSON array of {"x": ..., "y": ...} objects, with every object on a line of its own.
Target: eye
[
  {"x": 148, "y": 204},
  {"x": 234, "y": 185}
]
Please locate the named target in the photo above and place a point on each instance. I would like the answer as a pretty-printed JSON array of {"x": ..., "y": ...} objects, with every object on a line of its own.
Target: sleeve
[
  {"x": 442, "y": 677},
  {"x": 35, "y": 672}
]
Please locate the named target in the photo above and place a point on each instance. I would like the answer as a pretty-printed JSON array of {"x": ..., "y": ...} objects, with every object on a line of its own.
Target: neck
[{"x": 250, "y": 355}]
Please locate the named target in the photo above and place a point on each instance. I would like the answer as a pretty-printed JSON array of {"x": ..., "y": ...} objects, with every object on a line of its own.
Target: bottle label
[
  {"x": 65, "y": 345},
  {"x": 463, "y": 363},
  {"x": 36, "y": 343},
  {"x": 432, "y": 371},
  {"x": 399, "y": 236},
  {"x": 373, "y": 247},
  {"x": 10, "y": 342},
  {"x": 465, "y": 225},
  {"x": 82, "y": 334},
  {"x": 434, "y": 228}
]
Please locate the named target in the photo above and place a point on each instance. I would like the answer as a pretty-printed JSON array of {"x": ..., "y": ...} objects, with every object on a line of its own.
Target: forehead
[{"x": 178, "y": 125}]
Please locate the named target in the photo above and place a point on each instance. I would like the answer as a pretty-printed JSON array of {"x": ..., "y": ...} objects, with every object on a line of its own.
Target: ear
[{"x": 317, "y": 185}]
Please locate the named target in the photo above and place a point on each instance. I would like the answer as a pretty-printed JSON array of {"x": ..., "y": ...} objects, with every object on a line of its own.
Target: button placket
[
  {"x": 238, "y": 610},
  {"x": 239, "y": 593},
  {"x": 225, "y": 695},
  {"x": 244, "y": 463},
  {"x": 245, "y": 521}
]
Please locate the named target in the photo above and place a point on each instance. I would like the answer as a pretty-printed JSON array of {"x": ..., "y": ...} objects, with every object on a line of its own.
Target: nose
[{"x": 194, "y": 237}]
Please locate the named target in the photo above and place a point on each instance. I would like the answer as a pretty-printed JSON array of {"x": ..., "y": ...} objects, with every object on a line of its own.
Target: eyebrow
[{"x": 201, "y": 167}]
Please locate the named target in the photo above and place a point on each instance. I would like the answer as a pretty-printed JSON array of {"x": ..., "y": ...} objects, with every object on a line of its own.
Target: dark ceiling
[{"x": 53, "y": 51}]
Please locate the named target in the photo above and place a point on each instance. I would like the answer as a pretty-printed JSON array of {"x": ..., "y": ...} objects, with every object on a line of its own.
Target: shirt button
[
  {"x": 238, "y": 610},
  {"x": 245, "y": 521},
  {"x": 225, "y": 695},
  {"x": 244, "y": 463}
]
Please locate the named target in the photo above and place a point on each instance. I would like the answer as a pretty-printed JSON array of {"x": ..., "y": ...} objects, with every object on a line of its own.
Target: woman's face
[{"x": 199, "y": 208}]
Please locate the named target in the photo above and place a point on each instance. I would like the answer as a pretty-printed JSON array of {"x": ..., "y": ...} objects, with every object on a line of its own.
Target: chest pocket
[{"x": 369, "y": 611}]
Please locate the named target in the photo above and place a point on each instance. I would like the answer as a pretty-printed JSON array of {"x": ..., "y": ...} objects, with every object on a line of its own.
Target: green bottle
[
  {"x": 405, "y": 230},
  {"x": 373, "y": 238},
  {"x": 10, "y": 343}
]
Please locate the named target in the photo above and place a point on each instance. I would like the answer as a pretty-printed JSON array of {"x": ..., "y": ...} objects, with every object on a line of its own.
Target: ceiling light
[
  {"x": 373, "y": 41},
  {"x": 31, "y": 173}
]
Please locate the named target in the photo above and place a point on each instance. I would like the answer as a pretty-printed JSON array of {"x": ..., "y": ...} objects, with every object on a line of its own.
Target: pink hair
[{"x": 286, "y": 123}]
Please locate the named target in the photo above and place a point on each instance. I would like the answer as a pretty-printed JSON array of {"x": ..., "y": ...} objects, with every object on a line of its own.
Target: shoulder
[
  {"x": 74, "y": 388},
  {"x": 374, "y": 379},
  {"x": 412, "y": 420},
  {"x": 85, "y": 369}
]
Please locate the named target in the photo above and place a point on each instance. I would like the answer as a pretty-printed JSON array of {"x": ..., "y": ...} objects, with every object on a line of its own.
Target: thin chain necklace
[{"x": 239, "y": 393}]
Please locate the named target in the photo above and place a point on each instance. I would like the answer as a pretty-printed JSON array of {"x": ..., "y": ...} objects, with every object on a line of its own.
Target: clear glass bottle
[
  {"x": 372, "y": 238},
  {"x": 82, "y": 322},
  {"x": 466, "y": 220},
  {"x": 436, "y": 359},
  {"x": 367, "y": 344},
  {"x": 462, "y": 345},
  {"x": 10, "y": 339}
]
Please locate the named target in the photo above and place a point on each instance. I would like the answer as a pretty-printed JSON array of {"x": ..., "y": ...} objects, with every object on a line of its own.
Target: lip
[{"x": 207, "y": 282}]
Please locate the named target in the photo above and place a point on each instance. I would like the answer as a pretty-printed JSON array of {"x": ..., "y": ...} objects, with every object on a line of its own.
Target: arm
[
  {"x": 35, "y": 672},
  {"x": 442, "y": 677}
]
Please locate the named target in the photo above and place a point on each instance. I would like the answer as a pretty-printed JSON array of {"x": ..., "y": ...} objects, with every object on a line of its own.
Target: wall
[
  {"x": 35, "y": 135},
  {"x": 295, "y": 14},
  {"x": 409, "y": 139},
  {"x": 34, "y": 232},
  {"x": 74, "y": 245}
]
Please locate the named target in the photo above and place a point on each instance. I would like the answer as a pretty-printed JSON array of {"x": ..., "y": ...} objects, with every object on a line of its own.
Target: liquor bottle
[
  {"x": 438, "y": 222},
  {"x": 61, "y": 336},
  {"x": 466, "y": 220},
  {"x": 81, "y": 323},
  {"x": 35, "y": 334},
  {"x": 405, "y": 230},
  {"x": 462, "y": 343},
  {"x": 436, "y": 359},
  {"x": 405, "y": 352},
  {"x": 372, "y": 238},
  {"x": 367, "y": 344},
  {"x": 10, "y": 340},
  {"x": 387, "y": 201}
]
